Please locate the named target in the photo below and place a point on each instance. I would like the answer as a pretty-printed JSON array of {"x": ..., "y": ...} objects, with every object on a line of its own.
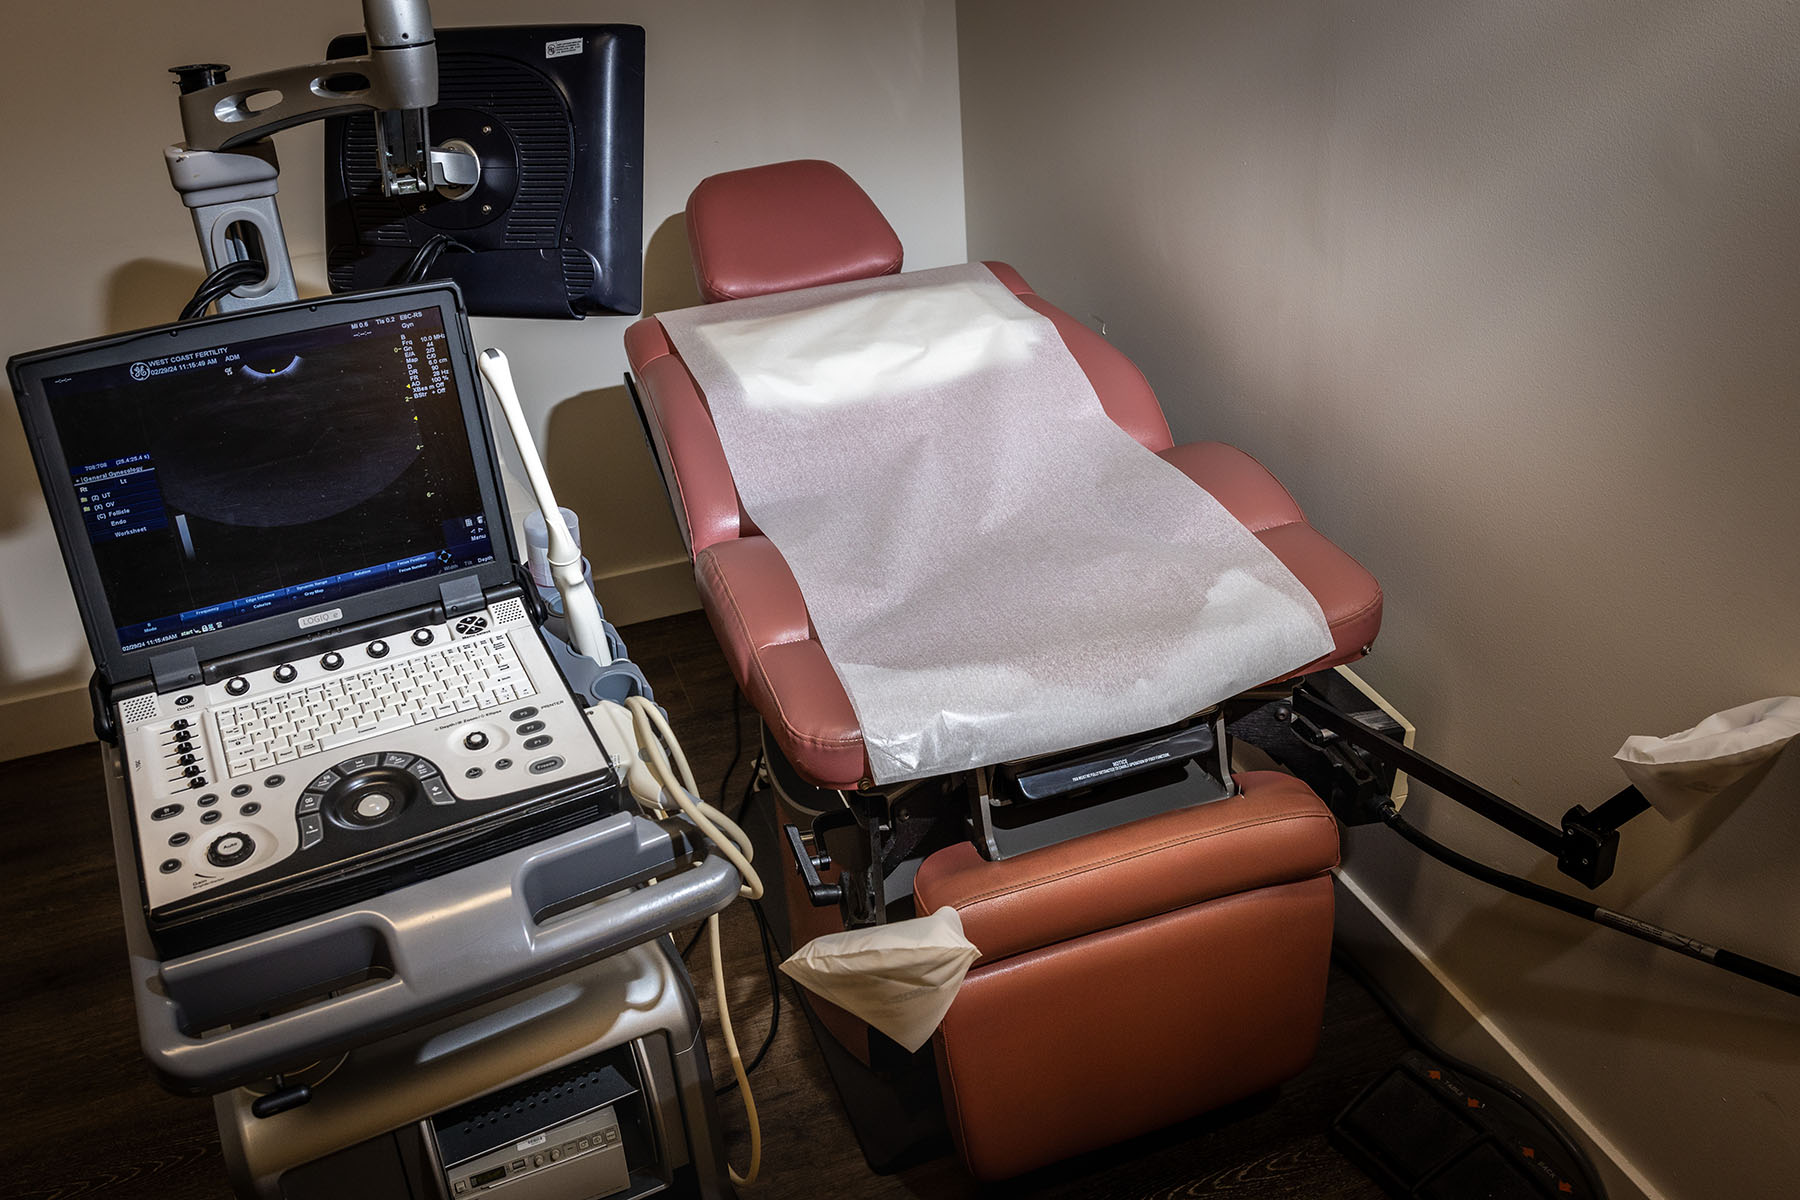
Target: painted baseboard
[
  {"x": 646, "y": 593},
  {"x": 44, "y": 722},
  {"x": 1449, "y": 1017},
  {"x": 55, "y": 719}
]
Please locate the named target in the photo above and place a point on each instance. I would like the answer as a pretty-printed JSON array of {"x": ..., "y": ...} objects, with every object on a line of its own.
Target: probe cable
[
  {"x": 658, "y": 744},
  {"x": 765, "y": 936},
  {"x": 1587, "y": 910}
]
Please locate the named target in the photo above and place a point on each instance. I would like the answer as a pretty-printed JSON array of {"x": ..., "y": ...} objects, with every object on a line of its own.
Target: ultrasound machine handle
[{"x": 216, "y": 1019}]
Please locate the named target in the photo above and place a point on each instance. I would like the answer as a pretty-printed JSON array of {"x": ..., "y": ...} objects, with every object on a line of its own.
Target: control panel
[{"x": 311, "y": 762}]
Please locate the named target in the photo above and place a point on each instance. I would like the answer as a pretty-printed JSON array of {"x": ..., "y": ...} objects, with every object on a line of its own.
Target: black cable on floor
[
  {"x": 1587, "y": 910},
  {"x": 767, "y": 937},
  {"x": 1431, "y": 1049},
  {"x": 737, "y": 753}
]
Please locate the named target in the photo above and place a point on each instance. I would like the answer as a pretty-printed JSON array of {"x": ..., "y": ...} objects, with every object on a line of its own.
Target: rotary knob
[
  {"x": 332, "y": 661},
  {"x": 228, "y": 850},
  {"x": 422, "y": 637},
  {"x": 237, "y": 685},
  {"x": 285, "y": 673}
]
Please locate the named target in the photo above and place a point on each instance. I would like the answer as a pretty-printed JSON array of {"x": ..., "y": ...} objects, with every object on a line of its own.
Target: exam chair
[{"x": 1130, "y": 977}]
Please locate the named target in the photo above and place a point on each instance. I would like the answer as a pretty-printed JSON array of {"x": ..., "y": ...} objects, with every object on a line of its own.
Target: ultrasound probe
[{"x": 586, "y": 632}]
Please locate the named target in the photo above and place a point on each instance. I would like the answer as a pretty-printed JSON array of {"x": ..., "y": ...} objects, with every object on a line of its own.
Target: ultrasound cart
[
  {"x": 386, "y": 895},
  {"x": 459, "y": 1044}
]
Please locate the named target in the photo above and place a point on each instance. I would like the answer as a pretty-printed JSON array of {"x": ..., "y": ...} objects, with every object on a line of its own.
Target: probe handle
[{"x": 586, "y": 632}]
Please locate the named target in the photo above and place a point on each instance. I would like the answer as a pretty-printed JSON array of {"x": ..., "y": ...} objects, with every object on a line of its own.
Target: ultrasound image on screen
[{"x": 233, "y": 482}]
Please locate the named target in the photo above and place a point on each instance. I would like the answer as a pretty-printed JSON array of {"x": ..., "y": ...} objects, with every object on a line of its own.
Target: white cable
[
  {"x": 587, "y": 633},
  {"x": 658, "y": 746}
]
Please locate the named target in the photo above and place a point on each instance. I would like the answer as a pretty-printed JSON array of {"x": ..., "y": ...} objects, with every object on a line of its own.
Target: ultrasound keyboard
[
  {"x": 331, "y": 778},
  {"x": 463, "y": 677}
]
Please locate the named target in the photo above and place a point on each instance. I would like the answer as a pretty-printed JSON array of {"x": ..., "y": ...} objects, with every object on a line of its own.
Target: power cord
[
  {"x": 239, "y": 273},
  {"x": 670, "y": 776},
  {"x": 419, "y": 266},
  {"x": 1587, "y": 910}
]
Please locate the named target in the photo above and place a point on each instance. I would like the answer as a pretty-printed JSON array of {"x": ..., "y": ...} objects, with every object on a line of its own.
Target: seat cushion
[
  {"x": 1346, "y": 592},
  {"x": 757, "y": 610}
]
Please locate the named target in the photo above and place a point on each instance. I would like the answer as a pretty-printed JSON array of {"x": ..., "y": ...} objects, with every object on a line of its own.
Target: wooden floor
[{"x": 80, "y": 1117}]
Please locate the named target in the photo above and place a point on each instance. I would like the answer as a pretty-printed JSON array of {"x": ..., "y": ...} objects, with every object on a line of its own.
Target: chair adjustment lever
[{"x": 821, "y": 894}]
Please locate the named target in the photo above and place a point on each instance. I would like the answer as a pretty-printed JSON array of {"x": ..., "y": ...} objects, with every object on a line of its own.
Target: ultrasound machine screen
[{"x": 227, "y": 483}]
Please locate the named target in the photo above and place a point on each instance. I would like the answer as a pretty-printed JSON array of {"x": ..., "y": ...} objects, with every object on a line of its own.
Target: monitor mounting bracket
[{"x": 225, "y": 167}]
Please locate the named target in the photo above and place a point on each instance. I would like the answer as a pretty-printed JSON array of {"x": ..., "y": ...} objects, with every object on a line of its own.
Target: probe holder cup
[{"x": 616, "y": 681}]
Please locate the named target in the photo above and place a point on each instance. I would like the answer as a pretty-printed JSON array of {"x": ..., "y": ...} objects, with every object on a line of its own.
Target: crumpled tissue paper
[
  {"x": 900, "y": 978},
  {"x": 1678, "y": 772}
]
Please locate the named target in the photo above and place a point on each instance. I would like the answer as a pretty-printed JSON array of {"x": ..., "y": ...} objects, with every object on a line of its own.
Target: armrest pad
[
  {"x": 699, "y": 478},
  {"x": 755, "y": 607}
]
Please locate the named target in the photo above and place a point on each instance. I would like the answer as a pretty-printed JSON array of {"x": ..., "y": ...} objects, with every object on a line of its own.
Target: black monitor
[
  {"x": 231, "y": 483},
  {"x": 554, "y": 227}
]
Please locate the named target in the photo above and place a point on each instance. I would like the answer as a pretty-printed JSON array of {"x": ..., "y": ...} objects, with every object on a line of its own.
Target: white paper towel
[
  {"x": 994, "y": 568},
  {"x": 1677, "y": 772},
  {"x": 900, "y": 978}
]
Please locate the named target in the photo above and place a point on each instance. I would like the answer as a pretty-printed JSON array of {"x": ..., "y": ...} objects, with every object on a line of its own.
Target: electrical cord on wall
[
  {"x": 1587, "y": 910},
  {"x": 239, "y": 273},
  {"x": 670, "y": 776}
]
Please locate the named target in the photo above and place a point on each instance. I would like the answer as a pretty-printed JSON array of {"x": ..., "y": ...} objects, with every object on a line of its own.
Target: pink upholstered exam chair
[{"x": 1148, "y": 953}]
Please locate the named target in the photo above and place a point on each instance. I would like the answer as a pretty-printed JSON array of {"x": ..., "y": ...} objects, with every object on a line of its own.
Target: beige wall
[
  {"x": 95, "y": 240},
  {"x": 1509, "y": 295}
]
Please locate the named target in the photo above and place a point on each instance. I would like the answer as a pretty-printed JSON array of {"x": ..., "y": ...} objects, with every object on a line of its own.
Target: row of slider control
[{"x": 188, "y": 769}]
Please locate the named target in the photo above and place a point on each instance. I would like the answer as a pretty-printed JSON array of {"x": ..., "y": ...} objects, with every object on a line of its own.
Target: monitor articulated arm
[{"x": 225, "y": 168}]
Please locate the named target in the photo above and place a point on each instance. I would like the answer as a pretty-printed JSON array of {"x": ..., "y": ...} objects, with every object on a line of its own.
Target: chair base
[{"x": 1157, "y": 1016}]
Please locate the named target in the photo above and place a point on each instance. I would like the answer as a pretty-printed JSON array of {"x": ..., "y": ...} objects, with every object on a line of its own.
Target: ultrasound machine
[
  {"x": 325, "y": 683},
  {"x": 387, "y": 896},
  {"x": 286, "y": 536}
]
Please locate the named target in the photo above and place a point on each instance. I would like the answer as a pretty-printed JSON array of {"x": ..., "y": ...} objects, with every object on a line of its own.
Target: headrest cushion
[{"x": 785, "y": 226}]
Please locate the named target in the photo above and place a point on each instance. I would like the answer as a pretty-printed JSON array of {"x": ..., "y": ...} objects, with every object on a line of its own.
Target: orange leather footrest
[{"x": 1135, "y": 977}]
